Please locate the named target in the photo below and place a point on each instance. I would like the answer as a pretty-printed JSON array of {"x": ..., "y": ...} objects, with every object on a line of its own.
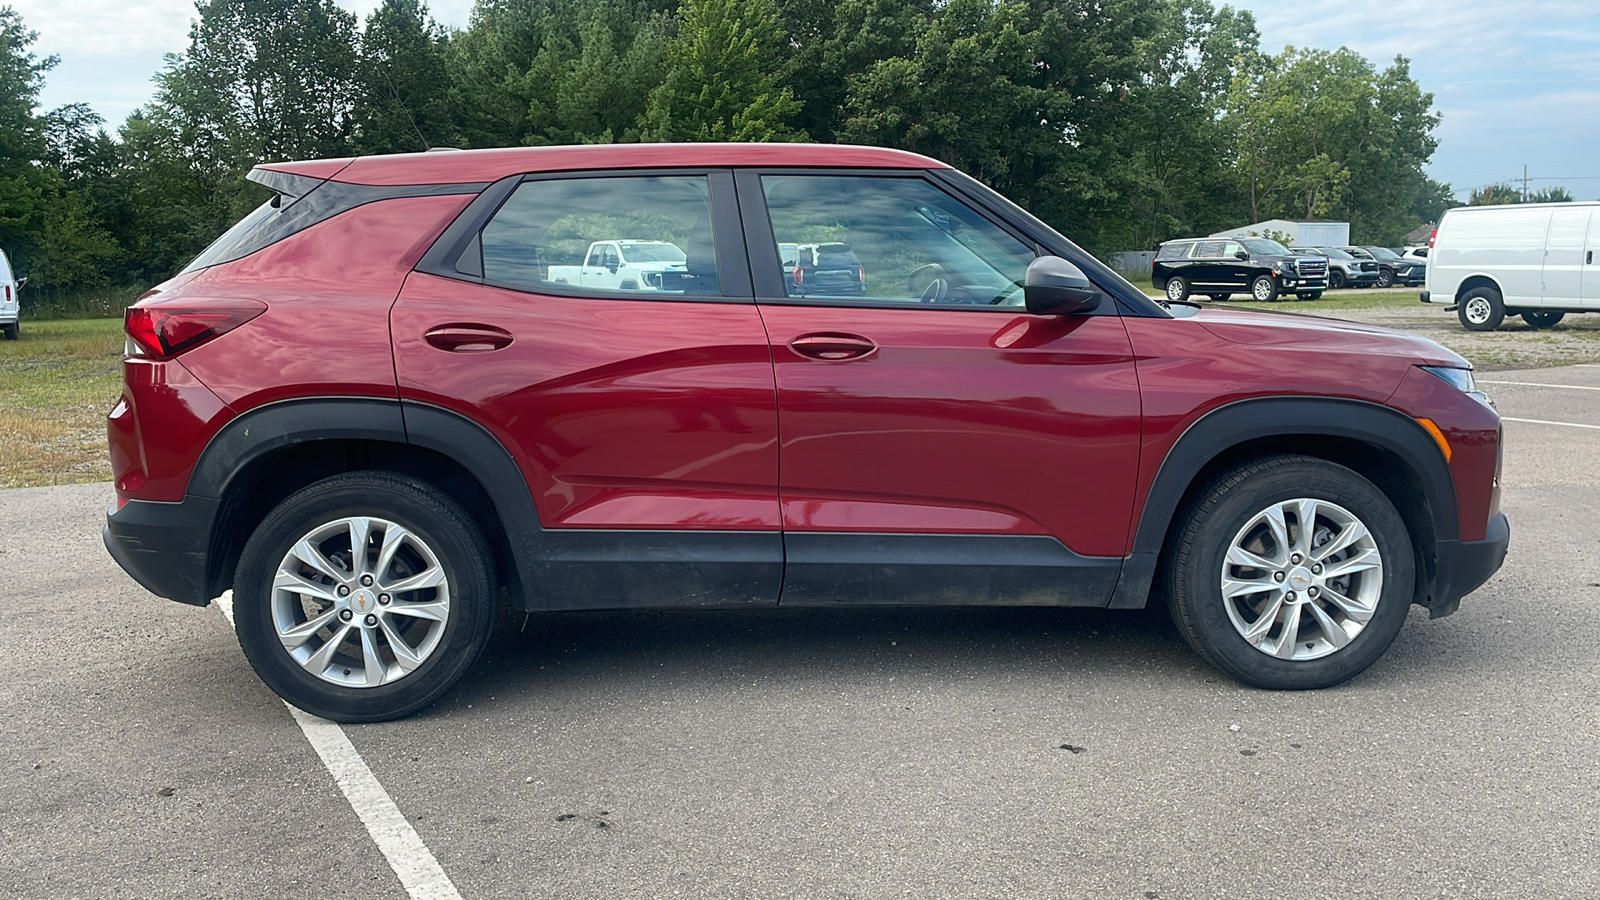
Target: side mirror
[
  {"x": 1055, "y": 287},
  {"x": 21, "y": 282},
  {"x": 1240, "y": 254}
]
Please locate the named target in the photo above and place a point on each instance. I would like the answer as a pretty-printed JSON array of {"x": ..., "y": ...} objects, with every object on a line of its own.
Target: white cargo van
[
  {"x": 1536, "y": 260},
  {"x": 8, "y": 299}
]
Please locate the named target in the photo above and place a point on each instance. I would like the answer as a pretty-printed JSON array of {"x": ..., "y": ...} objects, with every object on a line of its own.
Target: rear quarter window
[{"x": 1173, "y": 250}]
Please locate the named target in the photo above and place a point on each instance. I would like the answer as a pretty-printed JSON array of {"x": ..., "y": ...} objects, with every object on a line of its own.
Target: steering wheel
[{"x": 937, "y": 291}]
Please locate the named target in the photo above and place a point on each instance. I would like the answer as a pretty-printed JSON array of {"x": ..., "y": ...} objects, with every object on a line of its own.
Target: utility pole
[{"x": 1524, "y": 180}]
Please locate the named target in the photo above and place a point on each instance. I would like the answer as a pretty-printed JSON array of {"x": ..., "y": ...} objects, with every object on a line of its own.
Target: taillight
[
  {"x": 162, "y": 332},
  {"x": 1431, "y": 237},
  {"x": 798, "y": 274},
  {"x": 861, "y": 274}
]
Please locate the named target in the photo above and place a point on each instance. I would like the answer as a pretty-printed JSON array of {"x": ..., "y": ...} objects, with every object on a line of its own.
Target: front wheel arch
[{"x": 1383, "y": 445}]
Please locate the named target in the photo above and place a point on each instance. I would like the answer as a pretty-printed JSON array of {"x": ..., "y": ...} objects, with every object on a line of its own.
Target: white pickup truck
[{"x": 622, "y": 265}]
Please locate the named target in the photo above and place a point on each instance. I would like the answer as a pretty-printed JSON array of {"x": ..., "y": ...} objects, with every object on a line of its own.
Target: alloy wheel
[
  {"x": 360, "y": 602},
  {"x": 1302, "y": 579}
]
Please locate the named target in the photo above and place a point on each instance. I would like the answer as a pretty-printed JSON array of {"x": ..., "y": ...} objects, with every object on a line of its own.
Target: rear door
[
  {"x": 644, "y": 423},
  {"x": 1591, "y": 264},
  {"x": 939, "y": 444},
  {"x": 1563, "y": 257}
]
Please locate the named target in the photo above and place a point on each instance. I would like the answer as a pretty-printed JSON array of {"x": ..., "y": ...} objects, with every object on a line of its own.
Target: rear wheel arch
[
  {"x": 265, "y": 455},
  {"x": 1476, "y": 281},
  {"x": 1382, "y": 445}
]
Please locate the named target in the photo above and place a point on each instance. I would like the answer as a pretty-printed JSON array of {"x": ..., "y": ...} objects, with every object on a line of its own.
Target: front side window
[
  {"x": 564, "y": 234},
  {"x": 1231, "y": 249},
  {"x": 895, "y": 239}
]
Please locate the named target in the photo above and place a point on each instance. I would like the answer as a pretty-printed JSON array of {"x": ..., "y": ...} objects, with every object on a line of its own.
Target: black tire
[
  {"x": 1310, "y": 295},
  {"x": 1335, "y": 279},
  {"x": 1176, "y": 289},
  {"x": 1385, "y": 276},
  {"x": 12, "y": 331},
  {"x": 440, "y": 525},
  {"x": 1264, "y": 289},
  {"x": 1481, "y": 309},
  {"x": 1219, "y": 297},
  {"x": 1221, "y": 510},
  {"x": 1544, "y": 318}
]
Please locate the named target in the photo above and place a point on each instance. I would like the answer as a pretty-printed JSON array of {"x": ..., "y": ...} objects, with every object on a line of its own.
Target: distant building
[
  {"x": 1420, "y": 236},
  {"x": 1311, "y": 233}
]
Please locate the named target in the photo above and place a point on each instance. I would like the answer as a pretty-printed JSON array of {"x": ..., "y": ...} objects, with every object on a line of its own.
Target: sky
[{"x": 1516, "y": 81}]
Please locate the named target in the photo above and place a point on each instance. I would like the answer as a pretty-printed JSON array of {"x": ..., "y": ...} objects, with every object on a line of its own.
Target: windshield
[
  {"x": 1265, "y": 247},
  {"x": 652, "y": 252},
  {"x": 1383, "y": 253}
]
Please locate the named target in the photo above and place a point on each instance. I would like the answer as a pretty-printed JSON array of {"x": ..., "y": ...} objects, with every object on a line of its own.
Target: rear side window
[
  {"x": 562, "y": 234},
  {"x": 1209, "y": 250}
]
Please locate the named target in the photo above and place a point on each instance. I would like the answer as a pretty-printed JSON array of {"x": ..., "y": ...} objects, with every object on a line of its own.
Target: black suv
[{"x": 1220, "y": 267}]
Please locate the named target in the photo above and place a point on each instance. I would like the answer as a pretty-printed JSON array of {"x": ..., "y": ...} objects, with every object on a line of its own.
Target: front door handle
[
  {"x": 832, "y": 346},
  {"x": 467, "y": 337}
]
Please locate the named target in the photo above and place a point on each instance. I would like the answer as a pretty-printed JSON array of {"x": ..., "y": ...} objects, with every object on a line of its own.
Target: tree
[
  {"x": 22, "y": 137},
  {"x": 403, "y": 101},
  {"x": 557, "y": 71},
  {"x": 1553, "y": 194},
  {"x": 262, "y": 80},
  {"x": 1493, "y": 194},
  {"x": 722, "y": 77}
]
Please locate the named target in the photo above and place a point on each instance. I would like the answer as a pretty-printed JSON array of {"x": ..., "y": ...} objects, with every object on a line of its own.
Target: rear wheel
[
  {"x": 1177, "y": 289},
  {"x": 12, "y": 331},
  {"x": 364, "y": 597},
  {"x": 1543, "y": 318},
  {"x": 1291, "y": 573},
  {"x": 1481, "y": 309},
  {"x": 1264, "y": 289}
]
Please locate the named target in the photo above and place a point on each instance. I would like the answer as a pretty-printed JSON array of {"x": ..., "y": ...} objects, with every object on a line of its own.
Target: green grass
[{"x": 56, "y": 385}]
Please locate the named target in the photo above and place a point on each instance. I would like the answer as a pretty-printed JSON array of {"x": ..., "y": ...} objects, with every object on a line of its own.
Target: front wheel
[
  {"x": 1385, "y": 277},
  {"x": 1335, "y": 279},
  {"x": 1481, "y": 309},
  {"x": 1543, "y": 318},
  {"x": 364, "y": 597},
  {"x": 1291, "y": 573},
  {"x": 1177, "y": 288},
  {"x": 1264, "y": 289}
]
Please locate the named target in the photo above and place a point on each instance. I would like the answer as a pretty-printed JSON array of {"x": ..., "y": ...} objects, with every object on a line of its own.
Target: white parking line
[
  {"x": 413, "y": 863},
  {"x": 1547, "y": 422},
  {"x": 1570, "y": 387}
]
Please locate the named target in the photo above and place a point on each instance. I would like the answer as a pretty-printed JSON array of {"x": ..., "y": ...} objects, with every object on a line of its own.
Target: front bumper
[
  {"x": 1464, "y": 565},
  {"x": 164, "y": 546}
]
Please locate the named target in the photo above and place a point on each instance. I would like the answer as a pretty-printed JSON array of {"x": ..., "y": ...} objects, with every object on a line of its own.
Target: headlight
[{"x": 1460, "y": 378}]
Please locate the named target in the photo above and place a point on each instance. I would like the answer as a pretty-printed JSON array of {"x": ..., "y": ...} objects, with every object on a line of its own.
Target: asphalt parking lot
[{"x": 811, "y": 754}]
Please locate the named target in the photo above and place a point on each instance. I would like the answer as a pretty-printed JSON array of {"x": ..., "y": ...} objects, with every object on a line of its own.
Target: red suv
[{"x": 372, "y": 412}]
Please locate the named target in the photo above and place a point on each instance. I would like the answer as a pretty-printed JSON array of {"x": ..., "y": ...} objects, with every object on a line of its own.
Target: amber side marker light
[{"x": 1438, "y": 436}]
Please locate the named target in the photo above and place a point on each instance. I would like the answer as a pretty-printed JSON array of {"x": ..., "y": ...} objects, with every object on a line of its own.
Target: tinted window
[
  {"x": 540, "y": 237},
  {"x": 887, "y": 238},
  {"x": 1174, "y": 250},
  {"x": 1209, "y": 249}
]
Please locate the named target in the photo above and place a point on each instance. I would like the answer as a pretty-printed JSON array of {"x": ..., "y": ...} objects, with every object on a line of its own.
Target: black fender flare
[
  {"x": 1231, "y": 425},
  {"x": 267, "y": 429}
]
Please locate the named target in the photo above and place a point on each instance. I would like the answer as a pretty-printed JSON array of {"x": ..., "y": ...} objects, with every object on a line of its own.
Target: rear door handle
[
  {"x": 832, "y": 346},
  {"x": 467, "y": 337}
]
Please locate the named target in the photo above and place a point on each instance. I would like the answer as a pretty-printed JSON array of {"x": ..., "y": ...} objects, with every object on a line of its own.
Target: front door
[
  {"x": 644, "y": 422},
  {"x": 939, "y": 444}
]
